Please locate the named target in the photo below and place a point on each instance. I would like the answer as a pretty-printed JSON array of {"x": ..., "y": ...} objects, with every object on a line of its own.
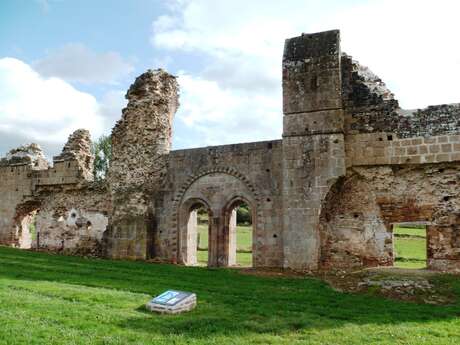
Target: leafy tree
[
  {"x": 102, "y": 151},
  {"x": 243, "y": 215}
]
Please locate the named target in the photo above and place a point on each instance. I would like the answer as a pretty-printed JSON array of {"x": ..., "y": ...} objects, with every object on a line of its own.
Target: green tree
[
  {"x": 102, "y": 151},
  {"x": 243, "y": 215}
]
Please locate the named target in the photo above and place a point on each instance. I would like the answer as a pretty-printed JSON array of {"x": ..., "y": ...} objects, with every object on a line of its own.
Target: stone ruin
[{"x": 350, "y": 164}]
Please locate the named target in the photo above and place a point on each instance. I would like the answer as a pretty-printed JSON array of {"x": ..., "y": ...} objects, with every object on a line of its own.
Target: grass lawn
[
  {"x": 51, "y": 299},
  {"x": 243, "y": 243},
  {"x": 410, "y": 247}
]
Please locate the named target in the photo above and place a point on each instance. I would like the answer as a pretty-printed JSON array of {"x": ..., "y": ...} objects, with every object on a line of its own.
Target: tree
[
  {"x": 243, "y": 215},
  {"x": 102, "y": 151}
]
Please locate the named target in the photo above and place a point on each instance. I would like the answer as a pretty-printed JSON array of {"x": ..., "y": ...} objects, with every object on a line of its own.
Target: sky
[{"x": 66, "y": 64}]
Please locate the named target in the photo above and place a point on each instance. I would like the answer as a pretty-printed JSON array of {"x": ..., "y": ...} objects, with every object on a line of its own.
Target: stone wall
[
  {"x": 370, "y": 107},
  {"x": 73, "y": 221},
  {"x": 351, "y": 163},
  {"x": 313, "y": 140},
  {"x": 219, "y": 176},
  {"x": 358, "y": 215},
  {"x": 352, "y": 232},
  {"x": 68, "y": 210},
  {"x": 141, "y": 141},
  {"x": 385, "y": 148}
]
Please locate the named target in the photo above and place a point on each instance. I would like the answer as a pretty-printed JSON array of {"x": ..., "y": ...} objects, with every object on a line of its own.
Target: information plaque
[{"x": 172, "y": 302}]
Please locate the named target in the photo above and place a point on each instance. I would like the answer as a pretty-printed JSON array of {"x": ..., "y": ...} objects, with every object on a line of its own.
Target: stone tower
[
  {"x": 313, "y": 139},
  {"x": 141, "y": 141}
]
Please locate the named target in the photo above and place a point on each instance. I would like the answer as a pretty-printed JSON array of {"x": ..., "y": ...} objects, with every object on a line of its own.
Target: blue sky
[{"x": 66, "y": 64}]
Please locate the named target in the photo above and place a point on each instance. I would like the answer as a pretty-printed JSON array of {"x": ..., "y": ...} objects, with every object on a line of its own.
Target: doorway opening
[
  {"x": 240, "y": 226},
  {"x": 26, "y": 233},
  {"x": 410, "y": 245},
  {"x": 202, "y": 235}
]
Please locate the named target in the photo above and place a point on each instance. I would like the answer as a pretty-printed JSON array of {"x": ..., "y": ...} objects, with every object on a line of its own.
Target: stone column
[
  {"x": 313, "y": 140},
  {"x": 192, "y": 237},
  {"x": 215, "y": 240},
  {"x": 141, "y": 141},
  {"x": 232, "y": 246}
]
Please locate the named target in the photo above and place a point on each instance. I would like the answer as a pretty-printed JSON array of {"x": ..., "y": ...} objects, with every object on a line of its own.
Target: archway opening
[
  {"x": 196, "y": 247},
  {"x": 27, "y": 233},
  {"x": 410, "y": 245},
  {"x": 240, "y": 230},
  {"x": 202, "y": 240}
]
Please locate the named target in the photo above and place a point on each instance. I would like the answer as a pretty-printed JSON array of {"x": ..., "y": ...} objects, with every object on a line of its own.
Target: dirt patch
[
  {"x": 270, "y": 272},
  {"x": 419, "y": 286}
]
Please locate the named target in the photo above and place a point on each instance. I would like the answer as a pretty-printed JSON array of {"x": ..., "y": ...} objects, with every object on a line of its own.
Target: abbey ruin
[{"x": 350, "y": 164}]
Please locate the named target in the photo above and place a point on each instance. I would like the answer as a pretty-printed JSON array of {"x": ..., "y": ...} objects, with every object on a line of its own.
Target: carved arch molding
[{"x": 181, "y": 192}]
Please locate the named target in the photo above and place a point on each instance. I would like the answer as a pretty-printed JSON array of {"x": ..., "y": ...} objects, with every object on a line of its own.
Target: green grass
[
  {"x": 410, "y": 247},
  {"x": 409, "y": 232},
  {"x": 243, "y": 244},
  {"x": 51, "y": 299}
]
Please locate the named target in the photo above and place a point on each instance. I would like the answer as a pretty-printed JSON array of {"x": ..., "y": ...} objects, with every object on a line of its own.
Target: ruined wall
[
  {"x": 218, "y": 176},
  {"x": 324, "y": 96},
  {"x": 353, "y": 234},
  {"x": 141, "y": 141},
  {"x": 34, "y": 193},
  {"x": 391, "y": 178},
  {"x": 350, "y": 164},
  {"x": 16, "y": 186},
  {"x": 358, "y": 216},
  {"x": 73, "y": 220},
  {"x": 371, "y": 107}
]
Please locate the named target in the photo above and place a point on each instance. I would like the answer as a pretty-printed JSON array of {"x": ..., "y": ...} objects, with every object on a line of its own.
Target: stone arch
[
  {"x": 228, "y": 211},
  {"x": 352, "y": 231},
  {"x": 188, "y": 232},
  {"x": 24, "y": 217},
  {"x": 179, "y": 196}
]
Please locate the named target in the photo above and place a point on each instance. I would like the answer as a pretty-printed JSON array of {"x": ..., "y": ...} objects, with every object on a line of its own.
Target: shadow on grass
[{"x": 228, "y": 302}]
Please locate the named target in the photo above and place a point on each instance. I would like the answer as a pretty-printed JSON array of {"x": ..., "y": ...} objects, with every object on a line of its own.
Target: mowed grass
[
  {"x": 51, "y": 299},
  {"x": 243, "y": 244},
  {"x": 410, "y": 247}
]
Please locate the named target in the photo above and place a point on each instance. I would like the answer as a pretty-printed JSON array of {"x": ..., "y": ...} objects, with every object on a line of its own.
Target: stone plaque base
[{"x": 172, "y": 302}]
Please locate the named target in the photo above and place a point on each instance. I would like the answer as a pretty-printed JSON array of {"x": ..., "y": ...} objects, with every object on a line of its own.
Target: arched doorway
[
  {"x": 239, "y": 217},
  {"x": 26, "y": 231},
  {"x": 195, "y": 226}
]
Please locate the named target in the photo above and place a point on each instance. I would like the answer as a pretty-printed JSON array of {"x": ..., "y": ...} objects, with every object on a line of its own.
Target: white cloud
[
  {"x": 216, "y": 114},
  {"x": 411, "y": 44},
  {"x": 111, "y": 104},
  {"x": 76, "y": 62},
  {"x": 43, "y": 109}
]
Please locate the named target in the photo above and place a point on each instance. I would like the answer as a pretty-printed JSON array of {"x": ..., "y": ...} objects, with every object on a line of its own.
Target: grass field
[
  {"x": 243, "y": 244},
  {"x": 51, "y": 299},
  {"x": 410, "y": 247}
]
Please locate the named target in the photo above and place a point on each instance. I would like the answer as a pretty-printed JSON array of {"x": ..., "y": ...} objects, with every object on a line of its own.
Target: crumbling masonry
[{"x": 350, "y": 164}]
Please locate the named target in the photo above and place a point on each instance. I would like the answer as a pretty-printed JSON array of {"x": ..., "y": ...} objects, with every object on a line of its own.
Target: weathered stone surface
[
  {"x": 33, "y": 193},
  {"x": 350, "y": 164},
  {"x": 78, "y": 149},
  {"x": 370, "y": 107},
  {"x": 31, "y": 154},
  {"x": 141, "y": 141}
]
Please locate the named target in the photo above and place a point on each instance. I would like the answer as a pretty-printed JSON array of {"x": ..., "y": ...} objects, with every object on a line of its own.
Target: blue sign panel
[{"x": 171, "y": 297}]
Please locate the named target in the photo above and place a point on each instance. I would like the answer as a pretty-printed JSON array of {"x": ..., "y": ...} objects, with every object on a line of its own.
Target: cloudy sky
[{"x": 66, "y": 64}]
